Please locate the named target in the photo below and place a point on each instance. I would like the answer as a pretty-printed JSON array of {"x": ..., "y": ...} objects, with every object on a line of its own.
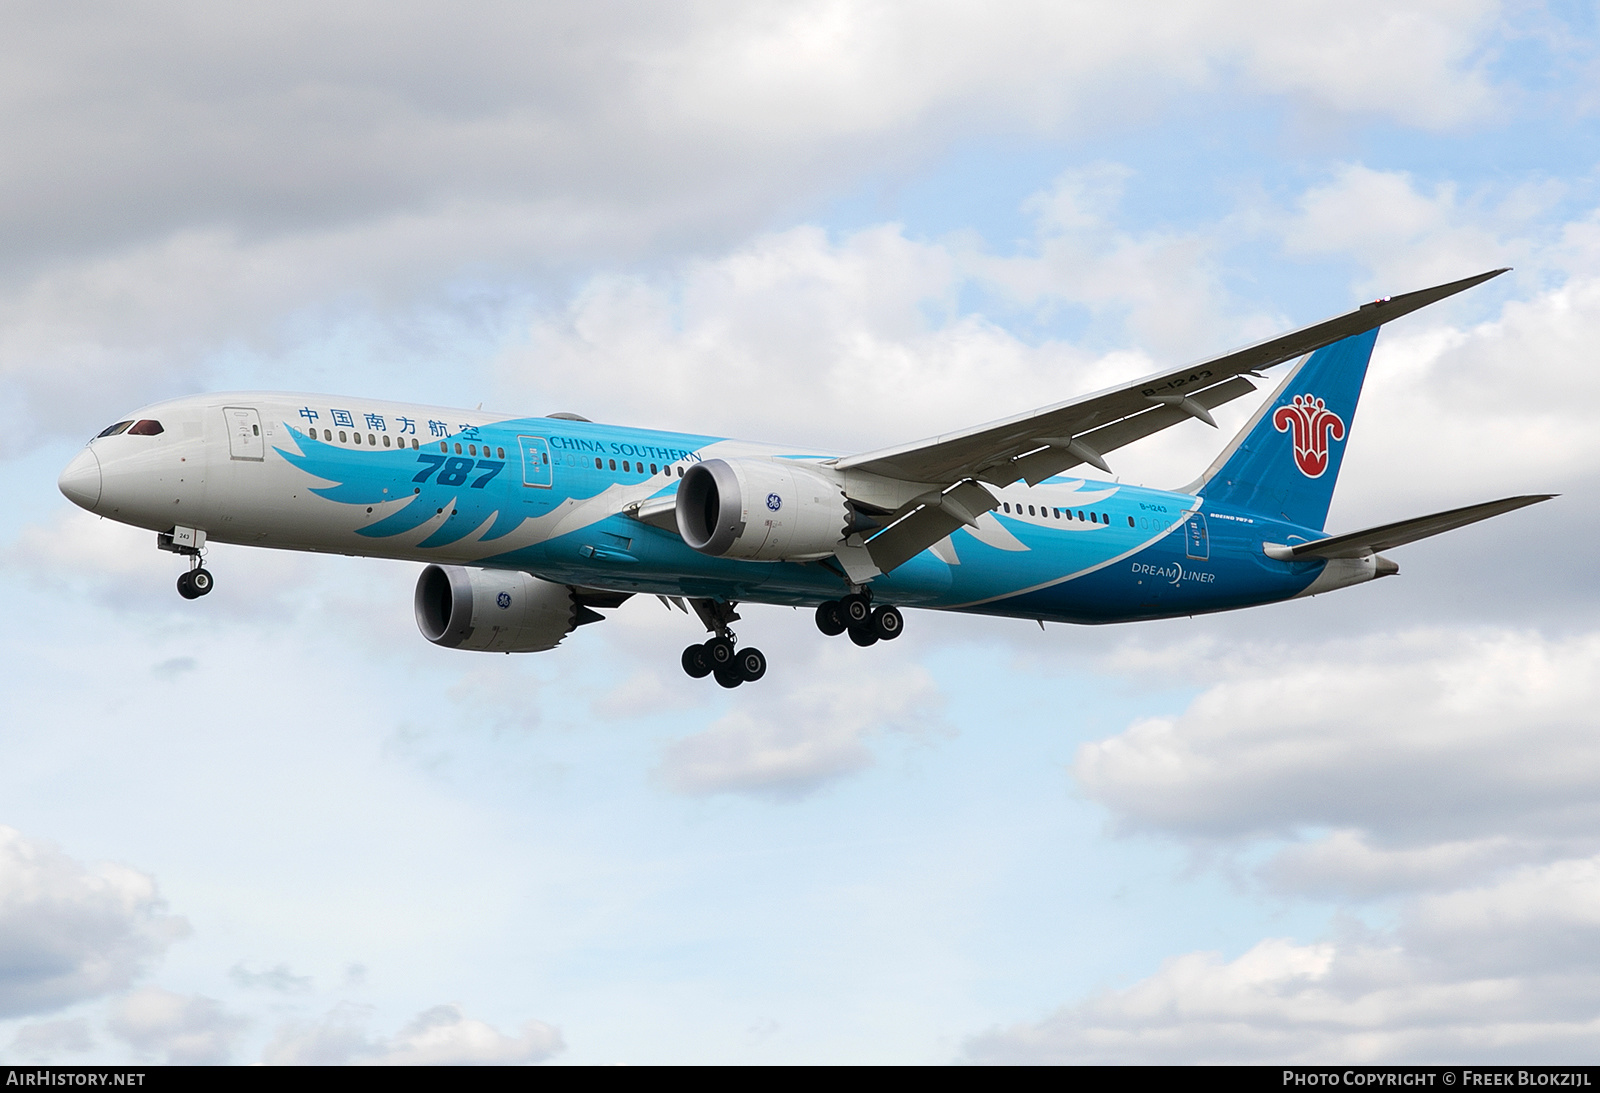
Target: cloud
[
  {"x": 47, "y": 1040},
  {"x": 295, "y": 116},
  {"x": 788, "y": 744},
  {"x": 276, "y": 978},
  {"x": 226, "y": 187},
  {"x": 440, "y": 1036},
  {"x": 70, "y": 932},
  {"x": 1498, "y": 973},
  {"x": 189, "y": 1030},
  {"x": 1431, "y": 736}
]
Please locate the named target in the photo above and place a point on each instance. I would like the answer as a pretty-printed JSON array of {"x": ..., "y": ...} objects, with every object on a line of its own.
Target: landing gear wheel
[
  {"x": 752, "y": 664},
  {"x": 855, "y": 608},
  {"x": 887, "y": 622},
  {"x": 201, "y": 581},
  {"x": 863, "y": 636},
  {"x": 186, "y": 587},
  {"x": 720, "y": 652},
  {"x": 696, "y": 662},
  {"x": 830, "y": 618},
  {"x": 728, "y": 677}
]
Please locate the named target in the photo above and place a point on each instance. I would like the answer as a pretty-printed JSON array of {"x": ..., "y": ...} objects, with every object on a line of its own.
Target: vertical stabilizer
[{"x": 1286, "y": 459}]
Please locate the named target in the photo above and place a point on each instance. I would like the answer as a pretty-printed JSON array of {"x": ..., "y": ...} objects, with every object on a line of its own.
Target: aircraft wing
[
  {"x": 1048, "y": 441},
  {"x": 1358, "y": 544}
]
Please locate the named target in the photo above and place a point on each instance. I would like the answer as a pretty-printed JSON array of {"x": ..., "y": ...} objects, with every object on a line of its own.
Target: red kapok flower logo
[{"x": 1314, "y": 425}]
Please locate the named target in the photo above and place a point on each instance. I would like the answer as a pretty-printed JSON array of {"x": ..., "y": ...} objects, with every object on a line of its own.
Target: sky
[{"x": 276, "y": 825}]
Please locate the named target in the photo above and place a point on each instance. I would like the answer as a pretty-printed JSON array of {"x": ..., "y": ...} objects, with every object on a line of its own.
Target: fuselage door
[
  {"x": 536, "y": 470},
  {"x": 244, "y": 433},
  {"x": 1196, "y": 540}
]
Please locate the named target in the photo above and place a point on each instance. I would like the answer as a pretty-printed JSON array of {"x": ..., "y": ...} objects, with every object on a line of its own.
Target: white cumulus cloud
[
  {"x": 791, "y": 743},
  {"x": 440, "y": 1036},
  {"x": 1499, "y": 973},
  {"x": 183, "y": 1029},
  {"x": 71, "y": 932}
]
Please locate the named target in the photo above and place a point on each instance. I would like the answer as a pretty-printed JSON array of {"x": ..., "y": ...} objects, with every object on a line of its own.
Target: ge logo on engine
[
  {"x": 504, "y": 600},
  {"x": 774, "y": 502}
]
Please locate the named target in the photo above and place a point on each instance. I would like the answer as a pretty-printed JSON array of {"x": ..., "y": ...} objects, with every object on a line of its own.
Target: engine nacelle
[
  {"x": 494, "y": 610},
  {"x": 760, "y": 510}
]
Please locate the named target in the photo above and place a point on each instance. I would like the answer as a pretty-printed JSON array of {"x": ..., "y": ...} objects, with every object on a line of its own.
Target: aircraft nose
[{"x": 80, "y": 481}]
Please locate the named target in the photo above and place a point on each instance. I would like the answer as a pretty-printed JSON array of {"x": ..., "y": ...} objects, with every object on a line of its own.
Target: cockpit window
[
  {"x": 147, "y": 427},
  {"x": 113, "y": 430}
]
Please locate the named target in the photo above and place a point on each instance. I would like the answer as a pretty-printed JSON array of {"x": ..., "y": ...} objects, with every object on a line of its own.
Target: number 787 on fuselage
[{"x": 530, "y": 526}]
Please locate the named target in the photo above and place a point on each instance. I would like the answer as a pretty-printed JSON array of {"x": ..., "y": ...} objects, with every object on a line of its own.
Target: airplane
[{"x": 531, "y": 526}]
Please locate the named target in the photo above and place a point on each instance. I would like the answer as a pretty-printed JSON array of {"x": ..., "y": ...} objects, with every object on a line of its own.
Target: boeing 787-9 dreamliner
[{"x": 528, "y": 527}]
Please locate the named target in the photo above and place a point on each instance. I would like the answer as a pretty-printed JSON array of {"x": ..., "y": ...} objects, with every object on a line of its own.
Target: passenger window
[
  {"x": 1007, "y": 505},
  {"x": 1080, "y": 514},
  {"x": 500, "y": 453},
  {"x": 613, "y": 464},
  {"x": 652, "y": 468},
  {"x": 342, "y": 438},
  {"x": 113, "y": 430},
  {"x": 1130, "y": 521},
  {"x": 472, "y": 449},
  {"x": 386, "y": 440},
  {"x": 597, "y": 463},
  {"x": 327, "y": 434},
  {"x": 413, "y": 443},
  {"x": 624, "y": 464},
  {"x": 356, "y": 437},
  {"x": 1104, "y": 519},
  {"x": 146, "y": 428},
  {"x": 458, "y": 449},
  {"x": 1031, "y": 512},
  {"x": 680, "y": 472}
]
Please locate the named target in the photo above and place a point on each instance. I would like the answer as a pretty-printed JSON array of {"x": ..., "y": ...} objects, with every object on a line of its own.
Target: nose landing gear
[
  {"x": 718, "y": 656},
  {"x": 189, "y": 542},
  {"x": 195, "y": 583},
  {"x": 855, "y": 615}
]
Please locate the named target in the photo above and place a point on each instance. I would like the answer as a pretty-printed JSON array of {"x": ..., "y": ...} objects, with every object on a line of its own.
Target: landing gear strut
[
  {"x": 855, "y": 615},
  {"x": 189, "y": 542},
  {"x": 719, "y": 656}
]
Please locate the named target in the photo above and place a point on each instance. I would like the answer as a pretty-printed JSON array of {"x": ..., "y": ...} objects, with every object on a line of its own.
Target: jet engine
[
  {"x": 760, "y": 510},
  {"x": 495, "y": 610}
]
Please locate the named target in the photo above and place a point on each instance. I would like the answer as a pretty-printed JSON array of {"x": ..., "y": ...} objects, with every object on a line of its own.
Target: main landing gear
[
  {"x": 718, "y": 657},
  {"x": 855, "y": 615}
]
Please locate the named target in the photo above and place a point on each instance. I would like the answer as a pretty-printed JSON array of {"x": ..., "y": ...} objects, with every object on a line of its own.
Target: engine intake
[
  {"x": 760, "y": 510},
  {"x": 496, "y": 610}
]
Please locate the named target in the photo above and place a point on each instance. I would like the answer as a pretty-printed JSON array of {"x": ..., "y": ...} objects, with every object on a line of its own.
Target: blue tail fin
[{"x": 1285, "y": 461}]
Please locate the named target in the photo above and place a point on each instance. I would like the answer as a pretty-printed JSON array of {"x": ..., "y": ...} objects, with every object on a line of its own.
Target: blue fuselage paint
[{"x": 1069, "y": 549}]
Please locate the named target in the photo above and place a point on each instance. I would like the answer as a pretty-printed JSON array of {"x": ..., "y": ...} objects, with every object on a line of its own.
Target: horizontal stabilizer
[{"x": 1358, "y": 544}]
